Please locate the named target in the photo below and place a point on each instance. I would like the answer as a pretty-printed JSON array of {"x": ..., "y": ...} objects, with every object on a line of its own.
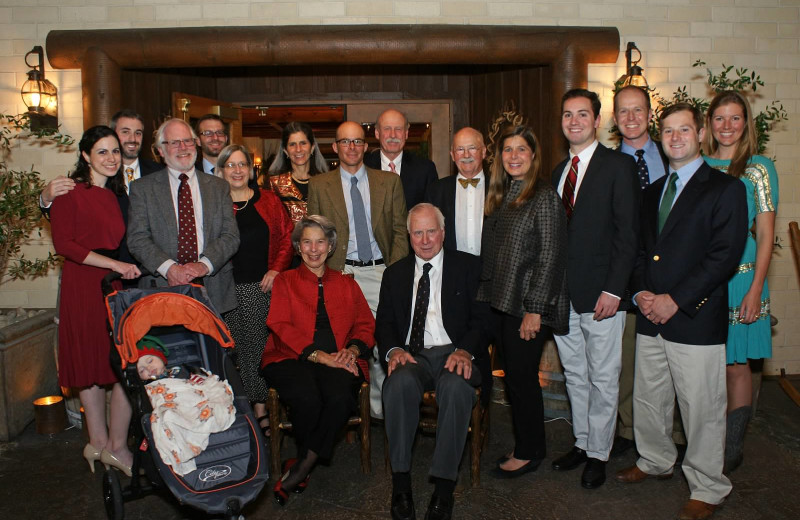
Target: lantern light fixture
[
  {"x": 39, "y": 94},
  {"x": 633, "y": 72}
]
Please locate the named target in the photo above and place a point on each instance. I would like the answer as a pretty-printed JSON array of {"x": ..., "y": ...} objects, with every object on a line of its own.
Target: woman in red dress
[{"x": 87, "y": 228}]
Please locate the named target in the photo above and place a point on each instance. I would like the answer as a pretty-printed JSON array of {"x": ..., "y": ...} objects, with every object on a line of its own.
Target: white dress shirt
[
  {"x": 583, "y": 162},
  {"x": 469, "y": 214},
  {"x": 397, "y": 162},
  {"x": 137, "y": 173},
  {"x": 197, "y": 203},
  {"x": 435, "y": 335}
]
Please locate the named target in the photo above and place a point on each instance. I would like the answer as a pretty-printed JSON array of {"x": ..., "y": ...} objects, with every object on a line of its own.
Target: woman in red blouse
[{"x": 321, "y": 324}]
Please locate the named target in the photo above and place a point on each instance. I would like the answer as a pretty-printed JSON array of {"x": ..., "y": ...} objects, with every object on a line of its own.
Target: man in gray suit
[{"x": 153, "y": 224}]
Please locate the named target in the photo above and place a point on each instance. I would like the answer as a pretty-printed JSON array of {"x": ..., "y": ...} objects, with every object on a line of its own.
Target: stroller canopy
[{"x": 160, "y": 309}]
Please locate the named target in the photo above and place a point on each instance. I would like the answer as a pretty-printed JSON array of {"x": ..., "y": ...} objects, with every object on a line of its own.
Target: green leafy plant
[
  {"x": 729, "y": 78},
  {"x": 20, "y": 217}
]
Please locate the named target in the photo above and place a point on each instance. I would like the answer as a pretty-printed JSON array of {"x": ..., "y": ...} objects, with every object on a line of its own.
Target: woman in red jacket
[
  {"x": 321, "y": 324},
  {"x": 264, "y": 251}
]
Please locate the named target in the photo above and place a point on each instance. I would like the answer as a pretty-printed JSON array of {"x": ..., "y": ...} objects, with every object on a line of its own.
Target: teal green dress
[{"x": 750, "y": 341}]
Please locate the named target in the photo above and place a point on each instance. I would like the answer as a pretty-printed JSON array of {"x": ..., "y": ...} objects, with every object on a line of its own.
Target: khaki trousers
[{"x": 696, "y": 375}]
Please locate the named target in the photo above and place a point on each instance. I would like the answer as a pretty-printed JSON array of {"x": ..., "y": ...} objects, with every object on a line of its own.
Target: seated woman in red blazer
[{"x": 321, "y": 324}]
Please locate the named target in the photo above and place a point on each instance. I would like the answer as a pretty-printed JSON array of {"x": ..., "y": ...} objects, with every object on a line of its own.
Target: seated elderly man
[{"x": 429, "y": 328}]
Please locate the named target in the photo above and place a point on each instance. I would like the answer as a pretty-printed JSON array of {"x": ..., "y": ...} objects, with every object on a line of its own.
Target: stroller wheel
[{"x": 112, "y": 495}]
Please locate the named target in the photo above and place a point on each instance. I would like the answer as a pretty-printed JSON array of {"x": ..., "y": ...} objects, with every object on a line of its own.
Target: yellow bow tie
[{"x": 467, "y": 182}]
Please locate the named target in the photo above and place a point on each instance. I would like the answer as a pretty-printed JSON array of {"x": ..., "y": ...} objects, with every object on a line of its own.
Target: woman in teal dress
[{"x": 731, "y": 146}]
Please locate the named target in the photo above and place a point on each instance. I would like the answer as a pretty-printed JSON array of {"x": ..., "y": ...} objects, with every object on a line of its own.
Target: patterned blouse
[
  {"x": 524, "y": 252},
  {"x": 291, "y": 196}
]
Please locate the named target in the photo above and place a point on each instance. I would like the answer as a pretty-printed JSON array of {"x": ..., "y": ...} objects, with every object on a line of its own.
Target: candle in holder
[{"x": 51, "y": 414}]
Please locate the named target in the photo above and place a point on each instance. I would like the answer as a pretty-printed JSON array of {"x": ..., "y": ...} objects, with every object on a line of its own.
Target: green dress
[{"x": 750, "y": 341}]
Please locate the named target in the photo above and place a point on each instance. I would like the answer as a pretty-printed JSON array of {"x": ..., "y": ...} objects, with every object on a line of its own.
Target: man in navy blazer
[
  {"x": 416, "y": 173},
  {"x": 600, "y": 193},
  {"x": 461, "y": 197},
  {"x": 454, "y": 325},
  {"x": 694, "y": 226},
  {"x": 632, "y": 115}
]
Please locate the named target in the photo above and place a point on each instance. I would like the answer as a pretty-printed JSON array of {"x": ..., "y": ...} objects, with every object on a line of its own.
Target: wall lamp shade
[
  {"x": 633, "y": 75},
  {"x": 39, "y": 94}
]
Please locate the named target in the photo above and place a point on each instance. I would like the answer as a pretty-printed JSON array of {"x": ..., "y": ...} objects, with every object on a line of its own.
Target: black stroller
[{"x": 233, "y": 469}]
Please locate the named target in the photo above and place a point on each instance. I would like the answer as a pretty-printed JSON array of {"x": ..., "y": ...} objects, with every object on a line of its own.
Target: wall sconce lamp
[
  {"x": 40, "y": 95},
  {"x": 633, "y": 74}
]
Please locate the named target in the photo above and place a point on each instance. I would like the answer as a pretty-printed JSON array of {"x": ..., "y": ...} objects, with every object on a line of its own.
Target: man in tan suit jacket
[{"x": 369, "y": 211}]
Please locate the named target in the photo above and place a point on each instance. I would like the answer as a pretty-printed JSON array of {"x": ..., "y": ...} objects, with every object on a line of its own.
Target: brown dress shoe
[
  {"x": 696, "y": 510},
  {"x": 633, "y": 475}
]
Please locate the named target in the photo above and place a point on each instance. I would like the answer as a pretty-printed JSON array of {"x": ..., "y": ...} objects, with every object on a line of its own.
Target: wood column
[{"x": 101, "y": 87}]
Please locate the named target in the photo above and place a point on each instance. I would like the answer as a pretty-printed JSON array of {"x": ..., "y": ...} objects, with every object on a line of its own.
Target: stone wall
[{"x": 672, "y": 34}]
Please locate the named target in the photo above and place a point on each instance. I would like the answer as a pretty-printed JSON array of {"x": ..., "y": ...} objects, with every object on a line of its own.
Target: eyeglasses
[
  {"x": 209, "y": 133},
  {"x": 176, "y": 143},
  {"x": 238, "y": 166},
  {"x": 465, "y": 150},
  {"x": 347, "y": 142}
]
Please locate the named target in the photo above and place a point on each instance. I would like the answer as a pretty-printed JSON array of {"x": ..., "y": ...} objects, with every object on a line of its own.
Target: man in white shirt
[
  {"x": 429, "y": 328},
  {"x": 600, "y": 193},
  {"x": 461, "y": 197},
  {"x": 416, "y": 173}
]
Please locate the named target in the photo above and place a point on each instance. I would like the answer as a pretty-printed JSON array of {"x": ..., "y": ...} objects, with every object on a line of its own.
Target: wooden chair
[
  {"x": 478, "y": 431},
  {"x": 279, "y": 424}
]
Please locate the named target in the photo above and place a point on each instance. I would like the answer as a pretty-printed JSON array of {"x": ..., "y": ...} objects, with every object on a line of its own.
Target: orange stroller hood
[{"x": 166, "y": 308}]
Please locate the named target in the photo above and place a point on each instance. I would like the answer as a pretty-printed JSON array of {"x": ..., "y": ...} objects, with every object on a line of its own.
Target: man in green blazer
[{"x": 368, "y": 209}]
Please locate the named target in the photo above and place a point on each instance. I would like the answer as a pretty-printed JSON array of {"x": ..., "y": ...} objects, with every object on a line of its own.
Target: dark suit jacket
[
  {"x": 694, "y": 255},
  {"x": 465, "y": 319},
  {"x": 416, "y": 174},
  {"x": 146, "y": 166},
  {"x": 442, "y": 194},
  {"x": 603, "y": 230},
  {"x": 660, "y": 148},
  {"x": 153, "y": 232},
  {"x": 387, "y": 209}
]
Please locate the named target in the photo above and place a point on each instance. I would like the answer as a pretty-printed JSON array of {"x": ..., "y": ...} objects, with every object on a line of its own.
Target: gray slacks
[{"x": 455, "y": 396}]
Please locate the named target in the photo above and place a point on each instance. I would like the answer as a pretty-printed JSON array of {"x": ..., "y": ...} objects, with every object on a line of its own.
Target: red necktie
[
  {"x": 568, "y": 192},
  {"x": 392, "y": 167},
  {"x": 187, "y": 231}
]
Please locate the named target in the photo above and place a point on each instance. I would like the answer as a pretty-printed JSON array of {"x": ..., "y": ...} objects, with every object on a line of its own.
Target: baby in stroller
[{"x": 189, "y": 404}]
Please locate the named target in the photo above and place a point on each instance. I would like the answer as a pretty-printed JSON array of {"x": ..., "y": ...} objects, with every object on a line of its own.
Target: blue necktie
[
  {"x": 360, "y": 218},
  {"x": 641, "y": 168}
]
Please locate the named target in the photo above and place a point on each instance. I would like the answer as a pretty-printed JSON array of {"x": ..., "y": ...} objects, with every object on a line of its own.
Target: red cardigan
[
  {"x": 272, "y": 211},
  {"x": 293, "y": 313}
]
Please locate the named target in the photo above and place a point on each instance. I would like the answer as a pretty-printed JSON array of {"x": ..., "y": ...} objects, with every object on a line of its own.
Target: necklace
[
  {"x": 240, "y": 208},
  {"x": 300, "y": 181}
]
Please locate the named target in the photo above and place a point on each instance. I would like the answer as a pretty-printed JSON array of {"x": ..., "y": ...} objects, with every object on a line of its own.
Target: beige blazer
[{"x": 387, "y": 208}]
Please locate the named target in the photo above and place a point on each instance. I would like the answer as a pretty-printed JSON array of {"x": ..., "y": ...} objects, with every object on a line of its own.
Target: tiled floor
[{"x": 44, "y": 477}]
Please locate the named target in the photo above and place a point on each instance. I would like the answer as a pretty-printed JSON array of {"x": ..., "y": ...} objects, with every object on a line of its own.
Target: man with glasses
[
  {"x": 213, "y": 137},
  {"x": 416, "y": 173},
  {"x": 369, "y": 211},
  {"x": 181, "y": 225}
]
